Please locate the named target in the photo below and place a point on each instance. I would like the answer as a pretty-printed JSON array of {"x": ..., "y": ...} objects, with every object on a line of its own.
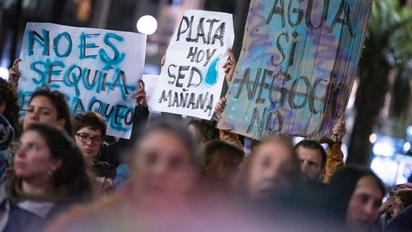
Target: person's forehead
[
  {"x": 41, "y": 102},
  {"x": 367, "y": 185},
  {"x": 309, "y": 153},
  {"x": 32, "y": 136},
  {"x": 89, "y": 130},
  {"x": 164, "y": 142},
  {"x": 273, "y": 151},
  {"x": 397, "y": 200}
]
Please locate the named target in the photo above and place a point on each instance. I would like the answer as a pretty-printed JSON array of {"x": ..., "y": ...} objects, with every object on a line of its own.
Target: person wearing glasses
[{"x": 89, "y": 129}]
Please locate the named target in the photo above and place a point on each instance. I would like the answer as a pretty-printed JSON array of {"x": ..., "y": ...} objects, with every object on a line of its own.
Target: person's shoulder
[{"x": 81, "y": 216}]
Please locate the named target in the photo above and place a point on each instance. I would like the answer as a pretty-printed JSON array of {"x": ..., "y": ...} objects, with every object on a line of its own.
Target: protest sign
[
  {"x": 97, "y": 70},
  {"x": 297, "y": 67},
  {"x": 191, "y": 80},
  {"x": 150, "y": 82}
]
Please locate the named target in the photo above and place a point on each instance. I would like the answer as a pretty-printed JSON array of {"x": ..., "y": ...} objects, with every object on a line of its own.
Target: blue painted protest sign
[
  {"x": 297, "y": 67},
  {"x": 97, "y": 70},
  {"x": 192, "y": 78}
]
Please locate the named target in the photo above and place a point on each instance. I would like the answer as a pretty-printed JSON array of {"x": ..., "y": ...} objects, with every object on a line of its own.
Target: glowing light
[
  {"x": 409, "y": 130},
  {"x": 4, "y": 73},
  {"x": 406, "y": 147},
  {"x": 147, "y": 24},
  {"x": 384, "y": 148},
  {"x": 373, "y": 138}
]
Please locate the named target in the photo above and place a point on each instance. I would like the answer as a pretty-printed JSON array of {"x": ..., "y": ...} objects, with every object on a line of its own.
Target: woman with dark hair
[
  {"x": 49, "y": 176},
  {"x": 354, "y": 196},
  {"x": 49, "y": 107}
]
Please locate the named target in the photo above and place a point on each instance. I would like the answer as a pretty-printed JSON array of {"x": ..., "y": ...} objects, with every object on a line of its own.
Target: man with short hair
[
  {"x": 312, "y": 159},
  {"x": 315, "y": 163}
]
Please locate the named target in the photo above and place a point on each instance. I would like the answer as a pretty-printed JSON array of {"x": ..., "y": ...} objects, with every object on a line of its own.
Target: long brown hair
[{"x": 71, "y": 178}]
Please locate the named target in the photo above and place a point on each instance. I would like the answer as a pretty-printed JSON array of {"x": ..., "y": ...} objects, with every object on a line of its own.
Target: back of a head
[
  {"x": 204, "y": 130},
  {"x": 59, "y": 102},
  {"x": 220, "y": 159}
]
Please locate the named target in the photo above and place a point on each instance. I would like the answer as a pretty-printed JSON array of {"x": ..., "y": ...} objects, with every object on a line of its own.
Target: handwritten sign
[
  {"x": 297, "y": 67},
  {"x": 97, "y": 70},
  {"x": 191, "y": 80}
]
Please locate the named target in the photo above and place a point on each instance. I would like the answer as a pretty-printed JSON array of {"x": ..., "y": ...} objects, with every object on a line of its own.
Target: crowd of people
[{"x": 60, "y": 173}]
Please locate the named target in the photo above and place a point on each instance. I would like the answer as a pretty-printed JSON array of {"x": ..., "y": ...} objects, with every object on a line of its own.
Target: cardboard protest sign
[
  {"x": 97, "y": 70},
  {"x": 191, "y": 80},
  {"x": 297, "y": 67}
]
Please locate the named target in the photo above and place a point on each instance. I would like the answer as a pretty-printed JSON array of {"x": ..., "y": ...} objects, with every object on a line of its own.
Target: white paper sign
[
  {"x": 97, "y": 70},
  {"x": 191, "y": 80},
  {"x": 150, "y": 82}
]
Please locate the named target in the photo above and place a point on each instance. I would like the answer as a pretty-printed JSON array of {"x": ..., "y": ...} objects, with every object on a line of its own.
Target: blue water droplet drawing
[{"x": 212, "y": 75}]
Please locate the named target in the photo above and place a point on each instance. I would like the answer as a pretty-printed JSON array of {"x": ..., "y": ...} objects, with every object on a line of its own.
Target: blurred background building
[{"x": 108, "y": 14}]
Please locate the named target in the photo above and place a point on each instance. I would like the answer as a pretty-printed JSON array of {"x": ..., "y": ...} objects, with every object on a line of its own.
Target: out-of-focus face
[
  {"x": 162, "y": 168},
  {"x": 270, "y": 169},
  {"x": 363, "y": 207},
  {"x": 89, "y": 141},
  {"x": 32, "y": 159},
  {"x": 396, "y": 207},
  {"x": 41, "y": 110},
  {"x": 310, "y": 161}
]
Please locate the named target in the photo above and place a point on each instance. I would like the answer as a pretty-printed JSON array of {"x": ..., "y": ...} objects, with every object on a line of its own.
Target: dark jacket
[
  {"x": 402, "y": 222},
  {"x": 111, "y": 153},
  {"x": 18, "y": 213}
]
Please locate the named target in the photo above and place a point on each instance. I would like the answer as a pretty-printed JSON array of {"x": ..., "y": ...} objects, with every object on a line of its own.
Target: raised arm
[{"x": 335, "y": 155}]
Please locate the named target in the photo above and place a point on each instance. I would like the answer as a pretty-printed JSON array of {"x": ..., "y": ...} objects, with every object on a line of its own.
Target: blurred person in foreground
[
  {"x": 219, "y": 165},
  {"x": 49, "y": 177},
  {"x": 162, "y": 178},
  {"x": 353, "y": 197},
  {"x": 272, "y": 168}
]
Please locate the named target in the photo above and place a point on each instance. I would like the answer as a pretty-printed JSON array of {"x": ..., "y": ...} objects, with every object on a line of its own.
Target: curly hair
[
  {"x": 9, "y": 96},
  {"x": 205, "y": 130}
]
